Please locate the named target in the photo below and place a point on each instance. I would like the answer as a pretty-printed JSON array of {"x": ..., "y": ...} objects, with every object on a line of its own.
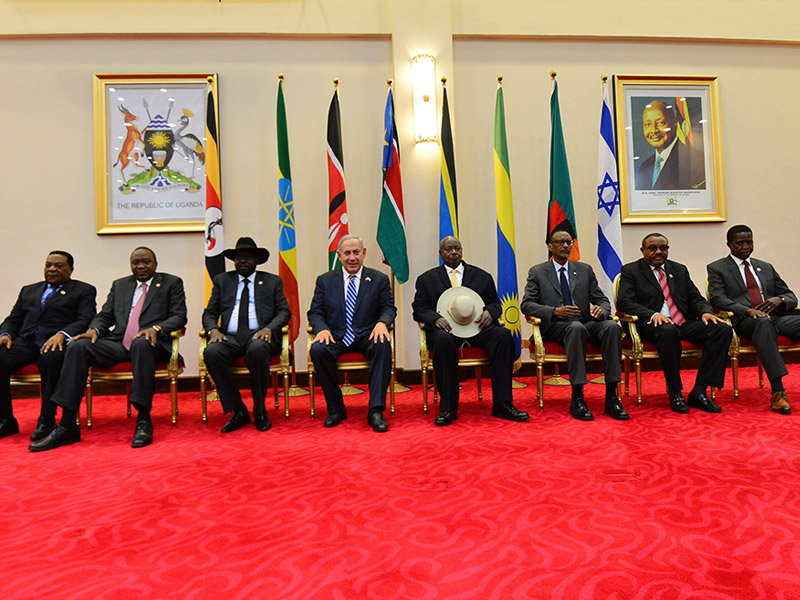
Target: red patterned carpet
[{"x": 662, "y": 507}]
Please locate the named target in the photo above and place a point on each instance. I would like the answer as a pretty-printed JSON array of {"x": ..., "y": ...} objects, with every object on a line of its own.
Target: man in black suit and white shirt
[
  {"x": 46, "y": 316},
  {"x": 496, "y": 340},
  {"x": 670, "y": 309},
  {"x": 762, "y": 306},
  {"x": 352, "y": 309},
  {"x": 565, "y": 295},
  {"x": 135, "y": 324},
  {"x": 250, "y": 308}
]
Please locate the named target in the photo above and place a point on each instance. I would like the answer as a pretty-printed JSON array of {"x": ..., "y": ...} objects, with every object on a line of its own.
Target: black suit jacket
[
  {"x": 272, "y": 308},
  {"x": 727, "y": 290},
  {"x": 374, "y": 303},
  {"x": 640, "y": 293},
  {"x": 432, "y": 283},
  {"x": 684, "y": 170},
  {"x": 164, "y": 305},
  {"x": 543, "y": 291},
  {"x": 69, "y": 310}
]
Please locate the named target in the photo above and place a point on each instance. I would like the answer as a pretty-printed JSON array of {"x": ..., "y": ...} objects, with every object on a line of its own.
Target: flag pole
[{"x": 398, "y": 387}]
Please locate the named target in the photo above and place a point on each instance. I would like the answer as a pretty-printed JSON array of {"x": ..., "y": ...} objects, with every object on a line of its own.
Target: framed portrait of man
[{"x": 669, "y": 137}]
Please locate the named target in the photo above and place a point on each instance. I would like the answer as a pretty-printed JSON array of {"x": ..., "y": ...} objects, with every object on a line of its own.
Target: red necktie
[
  {"x": 752, "y": 286},
  {"x": 674, "y": 314},
  {"x": 133, "y": 322}
]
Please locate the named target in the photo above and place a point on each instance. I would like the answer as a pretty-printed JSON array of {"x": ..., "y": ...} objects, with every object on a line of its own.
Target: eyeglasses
[
  {"x": 654, "y": 248},
  {"x": 562, "y": 242}
]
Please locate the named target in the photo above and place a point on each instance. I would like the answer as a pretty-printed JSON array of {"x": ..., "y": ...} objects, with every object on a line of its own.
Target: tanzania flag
[
  {"x": 506, "y": 245},
  {"x": 560, "y": 212},
  {"x": 214, "y": 241},
  {"x": 448, "y": 196},
  {"x": 338, "y": 226},
  {"x": 287, "y": 245},
  {"x": 391, "y": 220}
]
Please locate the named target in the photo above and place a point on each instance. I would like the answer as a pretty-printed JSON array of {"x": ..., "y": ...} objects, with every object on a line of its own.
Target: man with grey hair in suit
[
  {"x": 761, "y": 303},
  {"x": 135, "y": 324},
  {"x": 565, "y": 295}
]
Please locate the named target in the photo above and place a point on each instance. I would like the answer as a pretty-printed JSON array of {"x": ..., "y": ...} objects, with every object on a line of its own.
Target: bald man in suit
[
  {"x": 135, "y": 323},
  {"x": 45, "y": 317}
]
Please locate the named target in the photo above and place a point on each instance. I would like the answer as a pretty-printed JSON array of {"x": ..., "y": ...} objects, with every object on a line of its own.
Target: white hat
[{"x": 461, "y": 307}]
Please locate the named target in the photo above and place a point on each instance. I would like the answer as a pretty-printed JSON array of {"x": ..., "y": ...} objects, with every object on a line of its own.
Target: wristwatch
[{"x": 158, "y": 329}]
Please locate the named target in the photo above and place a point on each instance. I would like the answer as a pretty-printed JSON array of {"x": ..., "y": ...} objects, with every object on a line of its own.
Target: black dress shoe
[
  {"x": 506, "y": 410},
  {"x": 237, "y": 421},
  {"x": 614, "y": 409},
  {"x": 335, "y": 418},
  {"x": 377, "y": 422},
  {"x": 60, "y": 436},
  {"x": 262, "y": 420},
  {"x": 702, "y": 402},
  {"x": 446, "y": 418},
  {"x": 8, "y": 426},
  {"x": 677, "y": 403},
  {"x": 580, "y": 411},
  {"x": 143, "y": 436},
  {"x": 43, "y": 428}
]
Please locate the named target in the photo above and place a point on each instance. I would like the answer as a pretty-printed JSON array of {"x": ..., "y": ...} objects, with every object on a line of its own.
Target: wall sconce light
[{"x": 423, "y": 78}]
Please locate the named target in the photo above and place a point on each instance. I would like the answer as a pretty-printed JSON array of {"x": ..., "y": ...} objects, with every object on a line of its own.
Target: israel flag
[{"x": 609, "y": 230}]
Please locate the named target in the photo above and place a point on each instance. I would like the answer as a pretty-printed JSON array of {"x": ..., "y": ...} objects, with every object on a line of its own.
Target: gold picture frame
[
  {"x": 150, "y": 162},
  {"x": 669, "y": 136}
]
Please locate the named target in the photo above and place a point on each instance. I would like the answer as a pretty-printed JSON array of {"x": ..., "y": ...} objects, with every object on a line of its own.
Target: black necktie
[
  {"x": 565, "y": 295},
  {"x": 243, "y": 328}
]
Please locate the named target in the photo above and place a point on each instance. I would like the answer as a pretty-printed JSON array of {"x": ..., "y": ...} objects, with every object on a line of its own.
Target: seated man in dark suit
[
  {"x": 46, "y": 315},
  {"x": 761, "y": 303},
  {"x": 252, "y": 317},
  {"x": 565, "y": 295},
  {"x": 135, "y": 324},
  {"x": 670, "y": 309},
  {"x": 352, "y": 309},
  {"x": 496, "y": 340}
]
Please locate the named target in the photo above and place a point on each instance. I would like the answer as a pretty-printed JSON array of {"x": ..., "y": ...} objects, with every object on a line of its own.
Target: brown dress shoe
[{"x": 780, "y": 403}]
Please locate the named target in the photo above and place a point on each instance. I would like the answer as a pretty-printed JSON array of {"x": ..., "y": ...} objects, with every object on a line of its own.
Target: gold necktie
[{"x": 453, "y": 278}]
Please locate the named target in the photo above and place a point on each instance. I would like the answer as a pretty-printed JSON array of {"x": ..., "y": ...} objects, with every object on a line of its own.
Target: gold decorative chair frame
[
  {"x": 349, "y": 361},
  {"x": 278, "y": 364},
  {"x": 122, "y": 372},
  {"x": 544, "y": 352}
]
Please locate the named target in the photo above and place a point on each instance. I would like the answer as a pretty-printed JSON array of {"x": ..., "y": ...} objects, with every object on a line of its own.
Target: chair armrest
[
  {"x": 174, "y": 363},
  {"x": 538, "y": 342}
]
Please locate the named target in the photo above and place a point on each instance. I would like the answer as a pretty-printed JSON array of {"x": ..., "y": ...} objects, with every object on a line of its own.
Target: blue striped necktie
[
  {"x": 349, "y": 310},
  {"x": 48, "y": 291}
]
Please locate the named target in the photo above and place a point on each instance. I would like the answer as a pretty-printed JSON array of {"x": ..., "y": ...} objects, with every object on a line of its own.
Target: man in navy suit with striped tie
[
  {"x": 46, "y": 315},
  {"x": 352, "y": 310}
]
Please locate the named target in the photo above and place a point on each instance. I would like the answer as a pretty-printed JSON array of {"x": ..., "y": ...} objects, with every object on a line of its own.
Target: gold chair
[
  {"x": 636, "y": 350},
  {"x": 469, "y": 357},
  {"x": 548, "y": 351},
  {"x": 124, "y": 372},
  {"x": 349, "y": 361},
  {"x": 278, "y": 364}
]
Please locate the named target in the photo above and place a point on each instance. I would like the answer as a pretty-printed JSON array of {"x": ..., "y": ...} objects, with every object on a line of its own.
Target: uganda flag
[{"x": 214, "y": 240}]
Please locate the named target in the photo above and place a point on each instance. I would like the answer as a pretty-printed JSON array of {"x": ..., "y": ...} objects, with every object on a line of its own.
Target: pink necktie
[
  {"x": 674, "y": 314},
  {"x": 133, "y": 323}
]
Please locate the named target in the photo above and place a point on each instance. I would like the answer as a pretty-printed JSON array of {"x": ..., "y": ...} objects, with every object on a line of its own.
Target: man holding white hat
[{"x": 458, "y": 304}]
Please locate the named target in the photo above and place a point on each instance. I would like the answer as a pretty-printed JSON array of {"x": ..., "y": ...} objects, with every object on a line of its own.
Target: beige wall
[{"x": 47, "y": 157}]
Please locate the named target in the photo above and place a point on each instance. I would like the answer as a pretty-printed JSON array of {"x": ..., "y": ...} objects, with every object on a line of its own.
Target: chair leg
[
  {"x": 203, "y": 402},
  {"x": 391, "y": 393},
  {"x": 435, "y": 389},
  {"x": 735, "y": 370},
  {"x": 286, "y": 395},
  {"x": 540, "y": 384},
  {"x": 275, "y": 388},
  {"x": 128, "y": 396},
  {"x": 627, "y": 376},
  {"x": 89, "y": 403},
  {"x": 311, "y": 393},
  {"x": 425, "y": 389},
  {"x": 173, "y": 395},
  {"x": 480, "y": 386},
  {"x": 760, "y": 373},
  {"x": 638, "y": 368}
]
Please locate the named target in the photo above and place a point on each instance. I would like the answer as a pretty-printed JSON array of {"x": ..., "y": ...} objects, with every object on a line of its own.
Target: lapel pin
[
  {"x": 367, "y": 279},
  {"x": 758, "y": 268},
  {"x": 158, "y": 285},
  {"x": 260, "y": 283},
  {"x": 63, "y": 293},
  {"x": 670, "y": 275}
]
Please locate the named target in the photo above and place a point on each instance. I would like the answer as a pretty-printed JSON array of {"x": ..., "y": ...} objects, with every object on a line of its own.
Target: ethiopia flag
[{"x": 287, "y": 245}]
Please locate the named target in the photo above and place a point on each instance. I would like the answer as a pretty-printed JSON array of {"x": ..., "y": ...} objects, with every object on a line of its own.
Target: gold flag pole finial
[
  {"x": 500, "y": 79},
  {"x": 281, "y": 76},
  {"x": 210, "y": 79},
  {"x": 444, "y": 81},
  {"x": 389, "y": 82},
  {"x": 553, "y": 75},
  {"x": 604, "y": 78},
  {"x": 336, "y": 82}
]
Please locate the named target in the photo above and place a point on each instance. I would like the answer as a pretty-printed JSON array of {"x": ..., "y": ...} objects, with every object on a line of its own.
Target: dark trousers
[
  {"x": 257, "y": 354},
  {"x": 715, "y": 339},
  {"x": 379, "y": 354},
  {"x": 82, "y": 354},
  {"x": 25, "y": 352},
  {"x": 764, "y": 333},
  {"x": 499, "y": 345},
  {"x": 574, "y": 335}
]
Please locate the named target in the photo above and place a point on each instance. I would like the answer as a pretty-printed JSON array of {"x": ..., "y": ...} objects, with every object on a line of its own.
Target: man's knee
[
  {"x": 54, "y": 358},
  {"x": 318, "y": 352},
  {"x": 257, "y": 351},
  {"x": 667, "y": 332},
  {"x": 575, "y": 330}
]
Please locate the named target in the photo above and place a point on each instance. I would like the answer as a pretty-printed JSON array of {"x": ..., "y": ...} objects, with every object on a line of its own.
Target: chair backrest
[{"x": 615, "y": 290}]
